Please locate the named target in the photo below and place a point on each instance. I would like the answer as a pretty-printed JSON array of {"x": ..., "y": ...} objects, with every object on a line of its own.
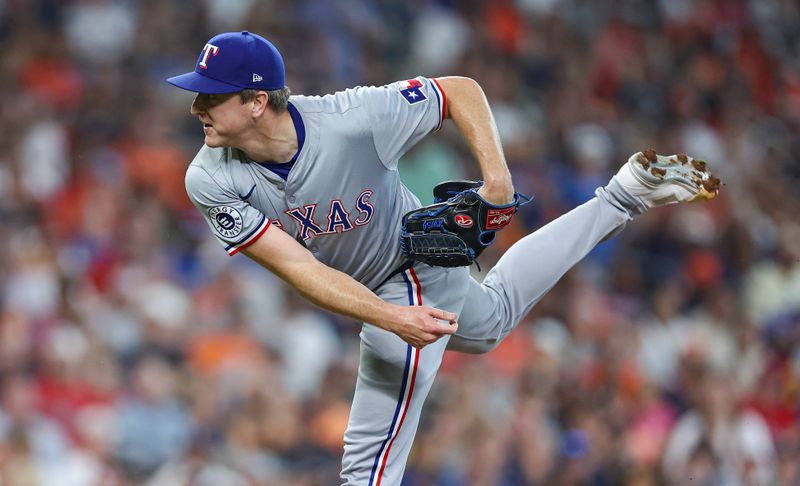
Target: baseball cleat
[{"x": 658, "y": 179}]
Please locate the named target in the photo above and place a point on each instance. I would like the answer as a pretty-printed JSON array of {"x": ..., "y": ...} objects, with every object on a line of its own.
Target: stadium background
[{"x": 133, "y": 350}]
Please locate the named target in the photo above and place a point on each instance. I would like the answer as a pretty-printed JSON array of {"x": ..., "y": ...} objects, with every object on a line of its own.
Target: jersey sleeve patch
[
  {"x": 227, "y": 221},
  {"x": 412, "y": 91}
]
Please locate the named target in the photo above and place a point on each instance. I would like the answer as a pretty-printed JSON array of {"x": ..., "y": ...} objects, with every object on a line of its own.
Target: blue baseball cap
[{"x": 234, "y": 61}]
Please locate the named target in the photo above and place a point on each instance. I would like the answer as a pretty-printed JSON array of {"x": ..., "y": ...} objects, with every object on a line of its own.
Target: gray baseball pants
[{"x": 394, "y": 378}]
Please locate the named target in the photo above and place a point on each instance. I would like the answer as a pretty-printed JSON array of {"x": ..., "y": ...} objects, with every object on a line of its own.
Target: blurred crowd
[{"x": 134, "y": 350}]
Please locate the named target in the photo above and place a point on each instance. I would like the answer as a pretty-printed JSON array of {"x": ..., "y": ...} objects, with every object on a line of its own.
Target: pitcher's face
[{"x": 224, "y": 117}]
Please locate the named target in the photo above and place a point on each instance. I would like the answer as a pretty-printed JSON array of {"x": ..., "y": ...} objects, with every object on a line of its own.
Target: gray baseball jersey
[{"x": 343, "y": 198}]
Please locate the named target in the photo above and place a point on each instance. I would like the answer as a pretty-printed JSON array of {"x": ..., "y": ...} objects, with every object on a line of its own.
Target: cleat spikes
[
  {"x": 640, "y": 158},
  {"x": 658, "y": 172},
  {"x": 699, "y": 165},
  {"x": 657, "y": 180}
]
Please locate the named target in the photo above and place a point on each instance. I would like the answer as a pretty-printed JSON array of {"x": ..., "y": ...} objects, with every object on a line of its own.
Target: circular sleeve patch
[{"x": 227, "y": 221}]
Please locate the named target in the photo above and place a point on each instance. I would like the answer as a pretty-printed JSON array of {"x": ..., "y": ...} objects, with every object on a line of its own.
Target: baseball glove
[{"x": 457, "y": 227}]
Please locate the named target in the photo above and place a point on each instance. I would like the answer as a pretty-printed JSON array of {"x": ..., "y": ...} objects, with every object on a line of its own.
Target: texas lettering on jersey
[{"x": 338, "y": 220}]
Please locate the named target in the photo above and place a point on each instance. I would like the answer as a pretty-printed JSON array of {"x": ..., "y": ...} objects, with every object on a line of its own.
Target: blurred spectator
[
  {"x": 100, "y": 31},
  {"x": 718, "y": 442},
  {"x": 153, "y": 426}
]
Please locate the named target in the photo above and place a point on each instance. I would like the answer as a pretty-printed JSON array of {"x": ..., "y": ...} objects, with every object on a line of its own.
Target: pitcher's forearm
[
  {"x": 470, "y": 111},
  {"x": 331, "y": 289},
  {"x": 342, "y": 294}
]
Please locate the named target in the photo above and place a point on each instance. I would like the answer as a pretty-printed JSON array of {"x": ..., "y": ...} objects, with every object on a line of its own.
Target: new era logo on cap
[{"x": 234, "y": 61}]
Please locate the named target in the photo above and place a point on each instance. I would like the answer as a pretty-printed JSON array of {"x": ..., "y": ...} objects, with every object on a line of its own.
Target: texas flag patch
[{"x": 412, "y": 91}]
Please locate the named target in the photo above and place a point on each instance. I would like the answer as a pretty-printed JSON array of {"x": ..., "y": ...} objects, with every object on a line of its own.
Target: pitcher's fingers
[
  {"x": 442, "y": 328},
  {"x": 450, "y": 317},
  {"x": 420, "y": 342}
]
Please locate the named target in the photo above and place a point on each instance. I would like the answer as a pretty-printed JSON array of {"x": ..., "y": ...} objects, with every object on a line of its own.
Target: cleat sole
[{"x": 653, "y": 170}]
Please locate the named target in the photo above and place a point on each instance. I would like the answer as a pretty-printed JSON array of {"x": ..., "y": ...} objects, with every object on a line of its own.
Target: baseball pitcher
[{"x": 308, "y": 187}]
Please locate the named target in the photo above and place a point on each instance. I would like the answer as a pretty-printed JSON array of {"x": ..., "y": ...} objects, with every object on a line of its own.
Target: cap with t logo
[{"x": 234, "y": 61}]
